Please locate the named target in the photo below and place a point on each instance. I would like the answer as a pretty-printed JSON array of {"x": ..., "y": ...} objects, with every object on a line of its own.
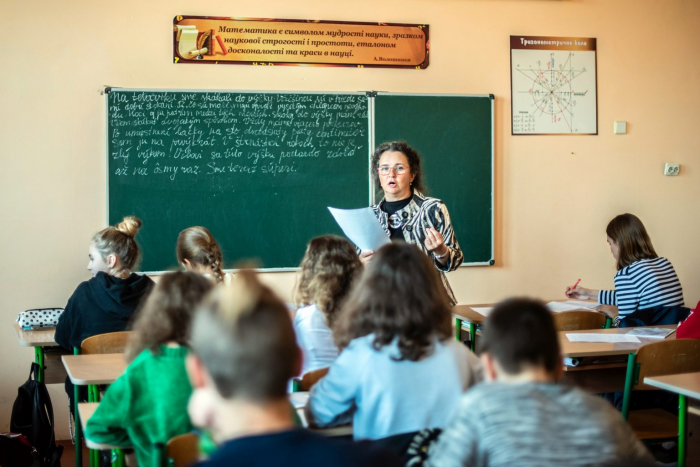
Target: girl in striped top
[{"x": 643, "y": 280}]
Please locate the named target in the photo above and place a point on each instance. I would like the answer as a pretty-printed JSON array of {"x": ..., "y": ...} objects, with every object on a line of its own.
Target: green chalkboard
[
  {"x": 454, "y": 135},
  {"x": 257, "y": 169}
]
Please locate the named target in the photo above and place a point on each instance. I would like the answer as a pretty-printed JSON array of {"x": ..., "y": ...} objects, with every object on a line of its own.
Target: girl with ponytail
[{"x": 198, "y": 251}]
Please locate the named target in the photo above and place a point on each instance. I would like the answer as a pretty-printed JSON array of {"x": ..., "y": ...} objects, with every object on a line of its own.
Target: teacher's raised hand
[{"x": 435, "y": 244}]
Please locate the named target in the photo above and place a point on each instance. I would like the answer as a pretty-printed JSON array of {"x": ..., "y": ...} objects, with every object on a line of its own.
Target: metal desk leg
[
  {"x": 472, "y": 335},
  {"x": 682, "y": 428},
  {"x": 458, "y": 329},
  {"x": 608, "y": 322},
  {"x": 78, "y": 430},
  {"x": 39, "y": 359}
]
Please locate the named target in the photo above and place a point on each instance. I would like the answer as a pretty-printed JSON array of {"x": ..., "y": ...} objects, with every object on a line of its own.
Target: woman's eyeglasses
[{"x": 386, "y": 170}]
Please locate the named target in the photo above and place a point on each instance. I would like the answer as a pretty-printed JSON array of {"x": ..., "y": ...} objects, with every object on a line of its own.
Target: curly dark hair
[
  {"x": 328, "y": 270},
  {"x": 413, "y": 162},
  {"x": 399, "y": 296},
  {"x": 167, "y": 313}
]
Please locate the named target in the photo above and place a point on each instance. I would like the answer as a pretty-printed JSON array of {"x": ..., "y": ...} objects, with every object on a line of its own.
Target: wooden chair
[
  {"x": 112, "y": 342},
  {"x": 666, "y": 357},
  {"x": 307, "y": 380},
  {"x": 578, "y": 320},
  {"x": 183, "y": 450}
]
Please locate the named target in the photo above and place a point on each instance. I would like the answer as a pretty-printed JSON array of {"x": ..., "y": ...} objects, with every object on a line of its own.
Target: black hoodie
[{"x": 103, "y": 304}]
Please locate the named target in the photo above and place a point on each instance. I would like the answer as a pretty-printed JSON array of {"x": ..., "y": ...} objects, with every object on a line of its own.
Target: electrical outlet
[{"x": 672, "y": 169}]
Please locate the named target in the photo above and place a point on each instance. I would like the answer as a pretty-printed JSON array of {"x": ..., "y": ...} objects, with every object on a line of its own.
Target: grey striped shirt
[{"x": 531, "y": 424}]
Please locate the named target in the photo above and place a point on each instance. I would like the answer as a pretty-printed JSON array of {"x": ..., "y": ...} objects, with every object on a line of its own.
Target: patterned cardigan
[{"x": 419, "y": 214}]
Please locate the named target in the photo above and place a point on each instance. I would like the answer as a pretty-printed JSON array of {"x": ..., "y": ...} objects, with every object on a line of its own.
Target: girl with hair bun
[
  {"x": 198, "y": 251},
  {"x": 106, "y": 302}
]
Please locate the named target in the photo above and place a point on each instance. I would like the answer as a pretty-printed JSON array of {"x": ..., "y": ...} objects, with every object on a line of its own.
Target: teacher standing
[{"x": 406, "y": 214}]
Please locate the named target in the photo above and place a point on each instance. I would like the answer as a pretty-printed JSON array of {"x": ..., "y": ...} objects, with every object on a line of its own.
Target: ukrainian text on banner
[{"x": 257, "y": 41}]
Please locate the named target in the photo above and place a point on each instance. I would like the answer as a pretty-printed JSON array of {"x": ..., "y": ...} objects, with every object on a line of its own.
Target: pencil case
[{"x": 39, "y": 318}]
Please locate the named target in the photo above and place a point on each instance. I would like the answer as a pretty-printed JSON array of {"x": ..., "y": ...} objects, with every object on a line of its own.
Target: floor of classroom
[{"x": 68, "y": 457}]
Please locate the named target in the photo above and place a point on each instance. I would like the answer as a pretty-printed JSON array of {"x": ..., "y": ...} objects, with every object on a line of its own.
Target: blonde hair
[
  {"x": 167, "y": 313},
  {"x": 244, "y": 337},
  {"x": 119, "y": 241},
  {"x": 197, "y": 245}
]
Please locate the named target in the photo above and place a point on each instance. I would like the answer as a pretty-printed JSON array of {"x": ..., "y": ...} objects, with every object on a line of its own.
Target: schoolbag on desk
[{"x": 32, "y": 416}]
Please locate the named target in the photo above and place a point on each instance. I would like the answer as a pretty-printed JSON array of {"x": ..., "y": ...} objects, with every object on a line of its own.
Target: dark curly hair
[
  {"x": 399, "y": 296},
  {"x": 167, "y": 313},
  {"x": 328, "y": 270},
  {"x": 413, "y": 162}
]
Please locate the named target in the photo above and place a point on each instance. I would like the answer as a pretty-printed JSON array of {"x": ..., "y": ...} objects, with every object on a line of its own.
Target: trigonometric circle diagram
[{"x": 553, "y": 92}]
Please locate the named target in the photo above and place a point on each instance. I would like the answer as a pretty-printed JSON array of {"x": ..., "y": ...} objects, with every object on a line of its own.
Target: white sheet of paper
[
  {"x": 299, "y": 399},
  {"x": 557, "y": 307},
  {"x": 595, "y": 337},
  {"x": 361, "y": 227},
  {"x": 483, "y": 311},
  {"x": 590, "y": 305}
]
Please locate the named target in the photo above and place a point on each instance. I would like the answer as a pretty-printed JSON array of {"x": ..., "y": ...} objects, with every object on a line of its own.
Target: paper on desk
[
  {"x": 361, "y": 227},
  {"x": 596, "y": 337},
  {"x": 557, "y": 307},
  {"x": 299, "y": 399},
  {"x": 589, "y": 305},
  {"x": 484, "y": 311}
]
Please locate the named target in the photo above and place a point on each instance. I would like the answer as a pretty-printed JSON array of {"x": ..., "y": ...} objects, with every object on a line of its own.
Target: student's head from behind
[
  {"x": 114, "y": 250},
  {"x": 198, "y": 251},
  {"x": 166, "y": 315},
  {"x": 328, "y": 270},
  {"x": 519, "y": 342},
  {"x": 628, "y": 240},
  {"x": 244, "y": 343},
  {"x": 399, "y": 296}
]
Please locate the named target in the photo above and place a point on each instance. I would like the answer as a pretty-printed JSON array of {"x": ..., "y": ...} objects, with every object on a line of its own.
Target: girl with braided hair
[{"x": 198, "y": 251}]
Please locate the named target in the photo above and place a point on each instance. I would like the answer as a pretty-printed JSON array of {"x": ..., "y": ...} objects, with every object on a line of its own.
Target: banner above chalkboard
[{"x": 261, "y": 41}]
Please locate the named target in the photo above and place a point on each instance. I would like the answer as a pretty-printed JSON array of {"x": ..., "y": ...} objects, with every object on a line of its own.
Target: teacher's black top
[{"x": 420, "y": 213}]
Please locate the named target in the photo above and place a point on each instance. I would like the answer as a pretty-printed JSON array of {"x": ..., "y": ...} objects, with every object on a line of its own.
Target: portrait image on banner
[{"x": 553, "y": 85}]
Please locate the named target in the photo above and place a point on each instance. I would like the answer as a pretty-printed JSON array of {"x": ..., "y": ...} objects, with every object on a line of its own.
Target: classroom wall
[{"x": 554, "y": 194}]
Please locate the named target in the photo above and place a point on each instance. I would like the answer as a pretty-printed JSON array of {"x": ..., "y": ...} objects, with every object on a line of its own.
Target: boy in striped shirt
[{"x": 522, "y": 417}]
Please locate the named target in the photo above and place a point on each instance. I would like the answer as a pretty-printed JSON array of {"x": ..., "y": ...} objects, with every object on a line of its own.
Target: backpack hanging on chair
[{"x": 32, "y": 416}]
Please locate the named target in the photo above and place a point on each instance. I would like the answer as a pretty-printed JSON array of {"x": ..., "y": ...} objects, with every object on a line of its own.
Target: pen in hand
[{"x": 573, "y": 287}]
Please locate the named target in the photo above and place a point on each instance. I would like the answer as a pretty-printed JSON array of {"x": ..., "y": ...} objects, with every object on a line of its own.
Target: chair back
[
  {"x": 308, "y": 380},
  {"x": 578, "y": 320},
  {"x": 667, "y": 357},
  {"x": 183, "y": 450},
  {"x": 112, "y": 342}
]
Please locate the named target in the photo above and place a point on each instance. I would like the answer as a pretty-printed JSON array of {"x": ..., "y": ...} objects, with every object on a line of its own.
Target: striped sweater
[
  {"x": 646, "y": 283},
  {"x": 535, "y": 425}
]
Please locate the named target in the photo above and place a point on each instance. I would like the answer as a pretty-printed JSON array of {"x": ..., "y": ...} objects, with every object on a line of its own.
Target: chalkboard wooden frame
[{"x": 371, "y": 145}]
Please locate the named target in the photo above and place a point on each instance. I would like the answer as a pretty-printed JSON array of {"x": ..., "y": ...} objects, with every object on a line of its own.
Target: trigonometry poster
[{"x": 553, "y": 85}]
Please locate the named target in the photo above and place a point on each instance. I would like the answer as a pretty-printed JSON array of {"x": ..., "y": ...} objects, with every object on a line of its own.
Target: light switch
[{"x": 620, "y": 128}]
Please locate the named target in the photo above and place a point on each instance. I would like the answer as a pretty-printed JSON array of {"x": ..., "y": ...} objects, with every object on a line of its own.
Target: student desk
[
  {"x": 91, "y": 370},
  {"x": 86, "y": 410},
  {"x": 299, "y": 400},
  {"x": 465, "y": 315},
  {"x": 603, "y": 365},
  {"x": 40, "y": 338}
]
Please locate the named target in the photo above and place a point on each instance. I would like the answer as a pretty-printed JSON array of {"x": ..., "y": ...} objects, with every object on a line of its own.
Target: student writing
[{"x": 647, "y": 289}]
